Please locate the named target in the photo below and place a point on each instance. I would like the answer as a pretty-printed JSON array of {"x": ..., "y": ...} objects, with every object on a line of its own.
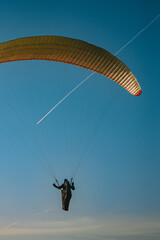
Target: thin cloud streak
[
  {"x": 116, "y": 226},
  {"x": 59, "y": 227},
  {"x": 44, "y": 211}
]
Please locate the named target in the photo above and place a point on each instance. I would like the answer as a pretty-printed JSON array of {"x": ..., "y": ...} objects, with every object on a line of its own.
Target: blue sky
[{"x": 114, "y": 135}]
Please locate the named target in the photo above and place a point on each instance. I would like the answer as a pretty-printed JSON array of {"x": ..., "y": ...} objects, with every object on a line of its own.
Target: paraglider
[
  {"x": 75, "y": 52},
  {"x": 66, "y": 193}
]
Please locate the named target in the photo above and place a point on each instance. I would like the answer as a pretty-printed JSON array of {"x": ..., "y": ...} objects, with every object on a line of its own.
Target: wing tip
[{"x": 139, "y": 93}]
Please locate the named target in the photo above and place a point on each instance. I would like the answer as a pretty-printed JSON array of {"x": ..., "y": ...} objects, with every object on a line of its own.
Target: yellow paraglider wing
[{"x": 72, "y": 51}]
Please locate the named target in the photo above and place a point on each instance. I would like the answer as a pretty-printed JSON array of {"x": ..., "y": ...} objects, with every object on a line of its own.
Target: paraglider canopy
[{"x": 72, "y": 51}]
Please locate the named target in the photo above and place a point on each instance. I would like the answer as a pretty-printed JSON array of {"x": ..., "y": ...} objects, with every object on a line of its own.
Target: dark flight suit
[{"x": 66, "y": 193}]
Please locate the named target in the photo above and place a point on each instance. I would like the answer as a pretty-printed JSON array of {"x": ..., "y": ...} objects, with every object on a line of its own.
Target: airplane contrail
[
  {"x": 65, "y": 97},
  {"x": 130, "y": 41},
  {"x": 140, "y": 32}
]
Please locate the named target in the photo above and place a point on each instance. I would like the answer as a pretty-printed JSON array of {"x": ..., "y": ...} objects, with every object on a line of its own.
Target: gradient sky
[{"x": 112, "y": 134}]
